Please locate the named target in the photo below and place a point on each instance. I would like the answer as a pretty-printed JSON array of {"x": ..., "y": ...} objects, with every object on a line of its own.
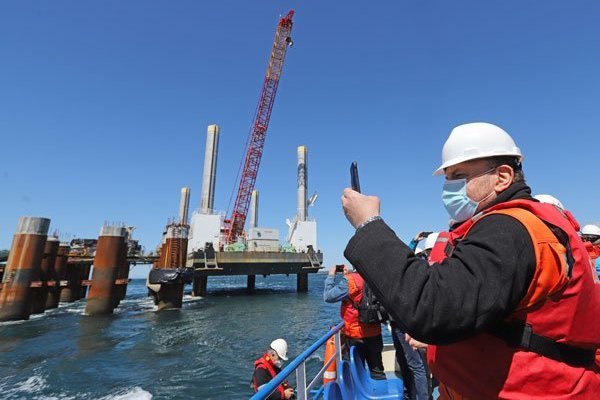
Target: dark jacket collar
[{"x": 518, "y": 190}]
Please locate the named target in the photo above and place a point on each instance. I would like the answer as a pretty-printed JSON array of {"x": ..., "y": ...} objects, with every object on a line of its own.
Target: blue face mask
[
  {"x": 459, "y": 206},
  {"x": 457, "y": 203}
]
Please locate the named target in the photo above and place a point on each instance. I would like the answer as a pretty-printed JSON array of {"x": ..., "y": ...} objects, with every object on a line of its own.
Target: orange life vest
[
  {"x": 266, "y": 362},
  {"x": 560, "y": 308},
  {"x": 352, "y": 327}
]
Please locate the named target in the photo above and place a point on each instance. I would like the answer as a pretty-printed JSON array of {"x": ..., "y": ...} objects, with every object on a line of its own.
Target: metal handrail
[{"x": 299, "y": 362}]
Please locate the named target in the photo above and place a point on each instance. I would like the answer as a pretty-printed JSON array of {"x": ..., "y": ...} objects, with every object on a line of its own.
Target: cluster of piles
[{"x": 39, "y": 272}]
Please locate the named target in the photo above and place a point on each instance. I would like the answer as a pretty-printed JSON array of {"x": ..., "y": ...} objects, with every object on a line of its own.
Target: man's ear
[{"x": 506, "y": 176}]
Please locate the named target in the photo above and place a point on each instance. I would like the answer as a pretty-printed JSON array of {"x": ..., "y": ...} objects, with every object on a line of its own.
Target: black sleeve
[
  {"x": 261, "y": 377},
  {"x": 481, "y": 283}
]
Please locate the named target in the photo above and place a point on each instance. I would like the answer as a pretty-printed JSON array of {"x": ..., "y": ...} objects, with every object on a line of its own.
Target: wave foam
[
  {"x": 33, "y": 384},
  {"x": 135, "y": 393}
]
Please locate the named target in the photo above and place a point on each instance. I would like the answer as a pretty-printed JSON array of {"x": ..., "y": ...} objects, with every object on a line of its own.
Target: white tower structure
[
  {"x": 302, "y": 183},
  {"x": 302, "y": 230},
  {"x": 205, "y": 226},
  {"x": 253, "y": 210},
  {"x": 184, "y": 204},
  {"x": 210, "y": 170}
]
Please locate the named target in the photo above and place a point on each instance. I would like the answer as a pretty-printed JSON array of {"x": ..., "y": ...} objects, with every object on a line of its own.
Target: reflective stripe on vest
[{"x": 555, "y": 306}]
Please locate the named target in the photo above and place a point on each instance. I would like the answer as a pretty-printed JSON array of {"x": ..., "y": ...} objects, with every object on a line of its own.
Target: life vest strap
[
  {"x": 563, "y": 238},
  {"x": 519, "y": 334}
]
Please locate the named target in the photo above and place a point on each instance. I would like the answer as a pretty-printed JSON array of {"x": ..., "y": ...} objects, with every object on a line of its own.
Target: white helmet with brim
[
  {"x": 591, "y": 229},
  {"x": 476, "y": 140},
  {"x": 549, "y": 199},
  {"x": 280, "y": 346}
]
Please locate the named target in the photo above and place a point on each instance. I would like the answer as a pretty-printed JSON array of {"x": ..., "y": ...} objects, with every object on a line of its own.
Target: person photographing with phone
[
  {"x": 348, "y": 287},
  {"x": 508, "y": 300}
]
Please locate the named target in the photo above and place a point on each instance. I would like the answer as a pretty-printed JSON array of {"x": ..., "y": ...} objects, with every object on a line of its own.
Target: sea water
[{"x": 205, "y": 350}]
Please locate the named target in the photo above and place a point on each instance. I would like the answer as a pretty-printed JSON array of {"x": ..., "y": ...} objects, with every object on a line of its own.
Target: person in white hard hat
[
  {"x": 268, "y": 366},
  {"x": 592, "y": 232},
  {"x": 482, "y": 300},
  {"x": 591, "y": 236},
  {"x": 411, "y": 358},
  {"x": 549, "y": 199}
]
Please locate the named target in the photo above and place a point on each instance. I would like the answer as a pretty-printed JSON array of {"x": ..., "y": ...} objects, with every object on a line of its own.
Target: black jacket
[{"x": 480, "y": 284}]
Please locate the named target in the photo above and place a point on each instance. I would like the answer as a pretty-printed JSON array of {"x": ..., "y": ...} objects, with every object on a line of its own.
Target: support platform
[{"x": 251, "y": 264}]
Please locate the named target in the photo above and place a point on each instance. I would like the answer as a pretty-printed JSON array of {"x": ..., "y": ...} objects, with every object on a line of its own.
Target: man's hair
[{"x": 512, "y": 162}]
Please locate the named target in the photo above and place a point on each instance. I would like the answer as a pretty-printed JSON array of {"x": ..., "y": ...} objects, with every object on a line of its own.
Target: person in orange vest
[
  {"x": 268, "y": 366},
  {"x": 343, "y": 285},
  {"x": 507, "y": 301}
]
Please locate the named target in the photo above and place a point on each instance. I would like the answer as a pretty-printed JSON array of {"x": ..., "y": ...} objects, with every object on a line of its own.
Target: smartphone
[
  {"x": 339, "y": 268},
  {"x": 354, "y": 177}
]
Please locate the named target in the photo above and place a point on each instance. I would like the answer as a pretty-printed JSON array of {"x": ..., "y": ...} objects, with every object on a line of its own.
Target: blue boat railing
[{"x": 299, "y": 365}]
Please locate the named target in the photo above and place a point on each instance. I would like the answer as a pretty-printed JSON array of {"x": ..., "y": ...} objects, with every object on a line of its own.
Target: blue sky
[{"x": 104, "y": 105}]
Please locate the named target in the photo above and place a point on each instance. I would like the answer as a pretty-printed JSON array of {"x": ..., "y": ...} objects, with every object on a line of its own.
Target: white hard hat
[
  {"x": 418, "y": 250},
  {"x": 546, "y": 198},
  {"x": 591, "y": 230},
  {"x": 280, "y": 347},
  {"x": 476, "y": 140},
  {"x": 430, "y": 241}
]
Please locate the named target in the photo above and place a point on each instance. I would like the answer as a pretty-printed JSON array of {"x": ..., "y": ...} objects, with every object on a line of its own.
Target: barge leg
[
  {"x": 121, "y": 289},
  {"x": 45, "y": 274},
  {"x": 71, "y": 293},
  {"x": 302, "y": 283},
  {"x": 170, "y": 295},
  {"x": 60, "y": 265},
  {"x": 23, "y": 264},
  {"x": 200, "y": 284},
  {"x": 110, "y": 252},
  {"x": 251, "y": 283}
]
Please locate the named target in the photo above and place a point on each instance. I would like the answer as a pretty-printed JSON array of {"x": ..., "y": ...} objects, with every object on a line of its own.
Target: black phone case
[{"x": 354, "y": 177}]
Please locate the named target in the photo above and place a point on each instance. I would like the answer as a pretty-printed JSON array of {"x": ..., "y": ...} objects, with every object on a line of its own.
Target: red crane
[{"x": 235, "y": 225}]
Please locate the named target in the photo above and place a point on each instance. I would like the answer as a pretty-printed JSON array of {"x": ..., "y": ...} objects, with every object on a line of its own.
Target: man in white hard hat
[
  {"x": 591, "y": 236},
  {"x": 507, "y": 301},
  {"x": 410, "y": 358},
  {"x": 268, "y": 366}
]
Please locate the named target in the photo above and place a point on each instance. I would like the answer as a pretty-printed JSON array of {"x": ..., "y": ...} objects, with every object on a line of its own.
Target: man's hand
[
  {"x": 358, "y": 208},
  {"x": 421, "y": 235},
  {"x": 288, "y": 393},
  {"x": 415, "y": 344},
  {"x": 332, "y": 271}
]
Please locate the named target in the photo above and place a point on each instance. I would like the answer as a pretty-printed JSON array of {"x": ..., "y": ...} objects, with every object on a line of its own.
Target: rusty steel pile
[
  {"x": 40, "y": 272},
  {"x": 169, "y": 273}
]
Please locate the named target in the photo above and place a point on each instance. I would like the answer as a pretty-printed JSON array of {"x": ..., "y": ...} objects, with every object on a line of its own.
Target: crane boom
[{"x": 259, "y": 128}]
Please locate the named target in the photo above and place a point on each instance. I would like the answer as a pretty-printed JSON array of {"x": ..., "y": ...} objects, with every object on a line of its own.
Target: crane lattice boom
[{"x": 259, "y": 128}]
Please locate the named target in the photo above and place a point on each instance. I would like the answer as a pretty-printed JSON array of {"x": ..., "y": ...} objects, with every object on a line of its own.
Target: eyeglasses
[{"x": 461, "y": 176}]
